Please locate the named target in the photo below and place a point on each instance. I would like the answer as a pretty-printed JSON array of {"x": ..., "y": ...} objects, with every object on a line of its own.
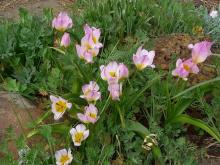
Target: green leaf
[
  {"x": 196, "y": 86},
  {"x": 178, "y": 109},
  {"x": 131, "y": 100},
  {"x": 198, "y": 123},
  {"x": 11, "y": 85},
  {"x": 138, "y": 128}
]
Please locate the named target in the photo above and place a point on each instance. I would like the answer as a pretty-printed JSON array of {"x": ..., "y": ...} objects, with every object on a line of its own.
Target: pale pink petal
[
  {"x": 73, "y": 131},
  {"x": 80, "y": 128},
  {"x": 86, "y": 134},
  {"x": 53, "y": 98}
]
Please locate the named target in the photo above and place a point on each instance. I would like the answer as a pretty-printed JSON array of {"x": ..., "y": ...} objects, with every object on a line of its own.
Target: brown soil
[
  {"x": 167, "y": 47},
  {"x": 209, "y": 4},
  {"x": 9, "y": 9}
]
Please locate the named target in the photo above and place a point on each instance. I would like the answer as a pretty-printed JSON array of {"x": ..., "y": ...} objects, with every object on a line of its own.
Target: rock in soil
[{"x": 16, "y": 112}]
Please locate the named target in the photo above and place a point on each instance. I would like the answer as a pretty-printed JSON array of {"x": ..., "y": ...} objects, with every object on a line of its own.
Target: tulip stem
[
  {"x": 82, "y": 74},
  {"x": 121, "y": 116},
  {"x": 106, "y": 104}
]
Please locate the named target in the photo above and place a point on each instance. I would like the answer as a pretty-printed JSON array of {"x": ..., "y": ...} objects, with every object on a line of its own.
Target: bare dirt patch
[{"x": 9, "y": 9}]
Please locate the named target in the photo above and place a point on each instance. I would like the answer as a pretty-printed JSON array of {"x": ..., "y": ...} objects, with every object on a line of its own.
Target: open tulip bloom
[
  {"x": 91, "y": 37},
  {"x": 86, "y": 54},
  {"x": 79, "y": 134},
  {"x": 184, "y": 68},
  {"x": 62, "y": 22},
  {"x": 63, "y": 157},
  {"x": 91, "y": 92},
  {"x": 59, "y": 106},
  {"x": 114, "y": 72},
  {"x": 200, "y": 51},
  {"x": 90, "y": 44},
  {"x": 143, "y": 58},
  {"x": 90, "y": 114}
]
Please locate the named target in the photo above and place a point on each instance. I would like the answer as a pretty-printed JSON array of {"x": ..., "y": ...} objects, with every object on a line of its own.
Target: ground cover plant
[{"x": 109, "y": 99}]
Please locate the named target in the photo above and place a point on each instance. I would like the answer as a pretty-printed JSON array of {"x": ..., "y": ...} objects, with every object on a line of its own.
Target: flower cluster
[
  {"x": 200, "y": 52},
  {"x": 114, "y": 73},
  {"x": 90, "y": 44},
  {"x": 79, "y": 133},
  {"x": 61, "y": 23},
  {"x": 91, "y": 94}
]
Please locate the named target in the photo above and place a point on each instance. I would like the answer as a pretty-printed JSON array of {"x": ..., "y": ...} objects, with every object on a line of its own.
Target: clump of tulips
[
  {"x": 200, "y": 52},
  {"x": 62, "y": 23},
  {"x": 113, "y": 73}
]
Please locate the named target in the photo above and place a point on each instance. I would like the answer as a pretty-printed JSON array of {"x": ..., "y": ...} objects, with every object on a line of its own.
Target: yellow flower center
[
  {"x": 94, "y": 39},
  {"x": 79, "y": 137},
  {"x": 87, "y": 45},
  {"x": 113, "y": 74},
  {"x": 139, "y": 66},
  {"x": 87, "y": 91},
  {"x": 92, "y": 115},
  {"x": 64, "y": 159},
  {"x": 186, "y": 67},
  {"x": 60, "y": 106}
]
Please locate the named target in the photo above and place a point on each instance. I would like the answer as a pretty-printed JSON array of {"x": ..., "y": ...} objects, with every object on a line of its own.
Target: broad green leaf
[
  {"x": 138, "y": 128},
  {"x": 198, "y": 123}
]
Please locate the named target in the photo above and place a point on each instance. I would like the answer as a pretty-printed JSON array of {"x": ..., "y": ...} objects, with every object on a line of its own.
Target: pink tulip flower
[
  {"x": 200, "y": 51},
  {"x": 62, "y": 22},
  {"x": 114, "y": 72},
  {"x": 123, "y": 71},
  {"x": 92, "y": 36},
  {"x": 59, "y": 106},
  {"x": 79, "y": 134},
  {"x": 86, "y": 54},
  {"x": 90, "y": 114},
  {"x": 63, "y": 157},
  {"x": 143, "y": 58},
  {"x": 91, "y": 92},
  {"x": 184, "y": 68},
  {"x": 90, "y": 44},
  {"x": 65, "y": 40}
]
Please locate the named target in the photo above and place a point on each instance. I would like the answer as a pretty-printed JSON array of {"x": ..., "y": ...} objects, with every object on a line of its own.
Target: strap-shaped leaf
[
  {"x": 196, "y": 86},
  {"x": 178, "y": 109},
  {"x": 198, "y": 123}
]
